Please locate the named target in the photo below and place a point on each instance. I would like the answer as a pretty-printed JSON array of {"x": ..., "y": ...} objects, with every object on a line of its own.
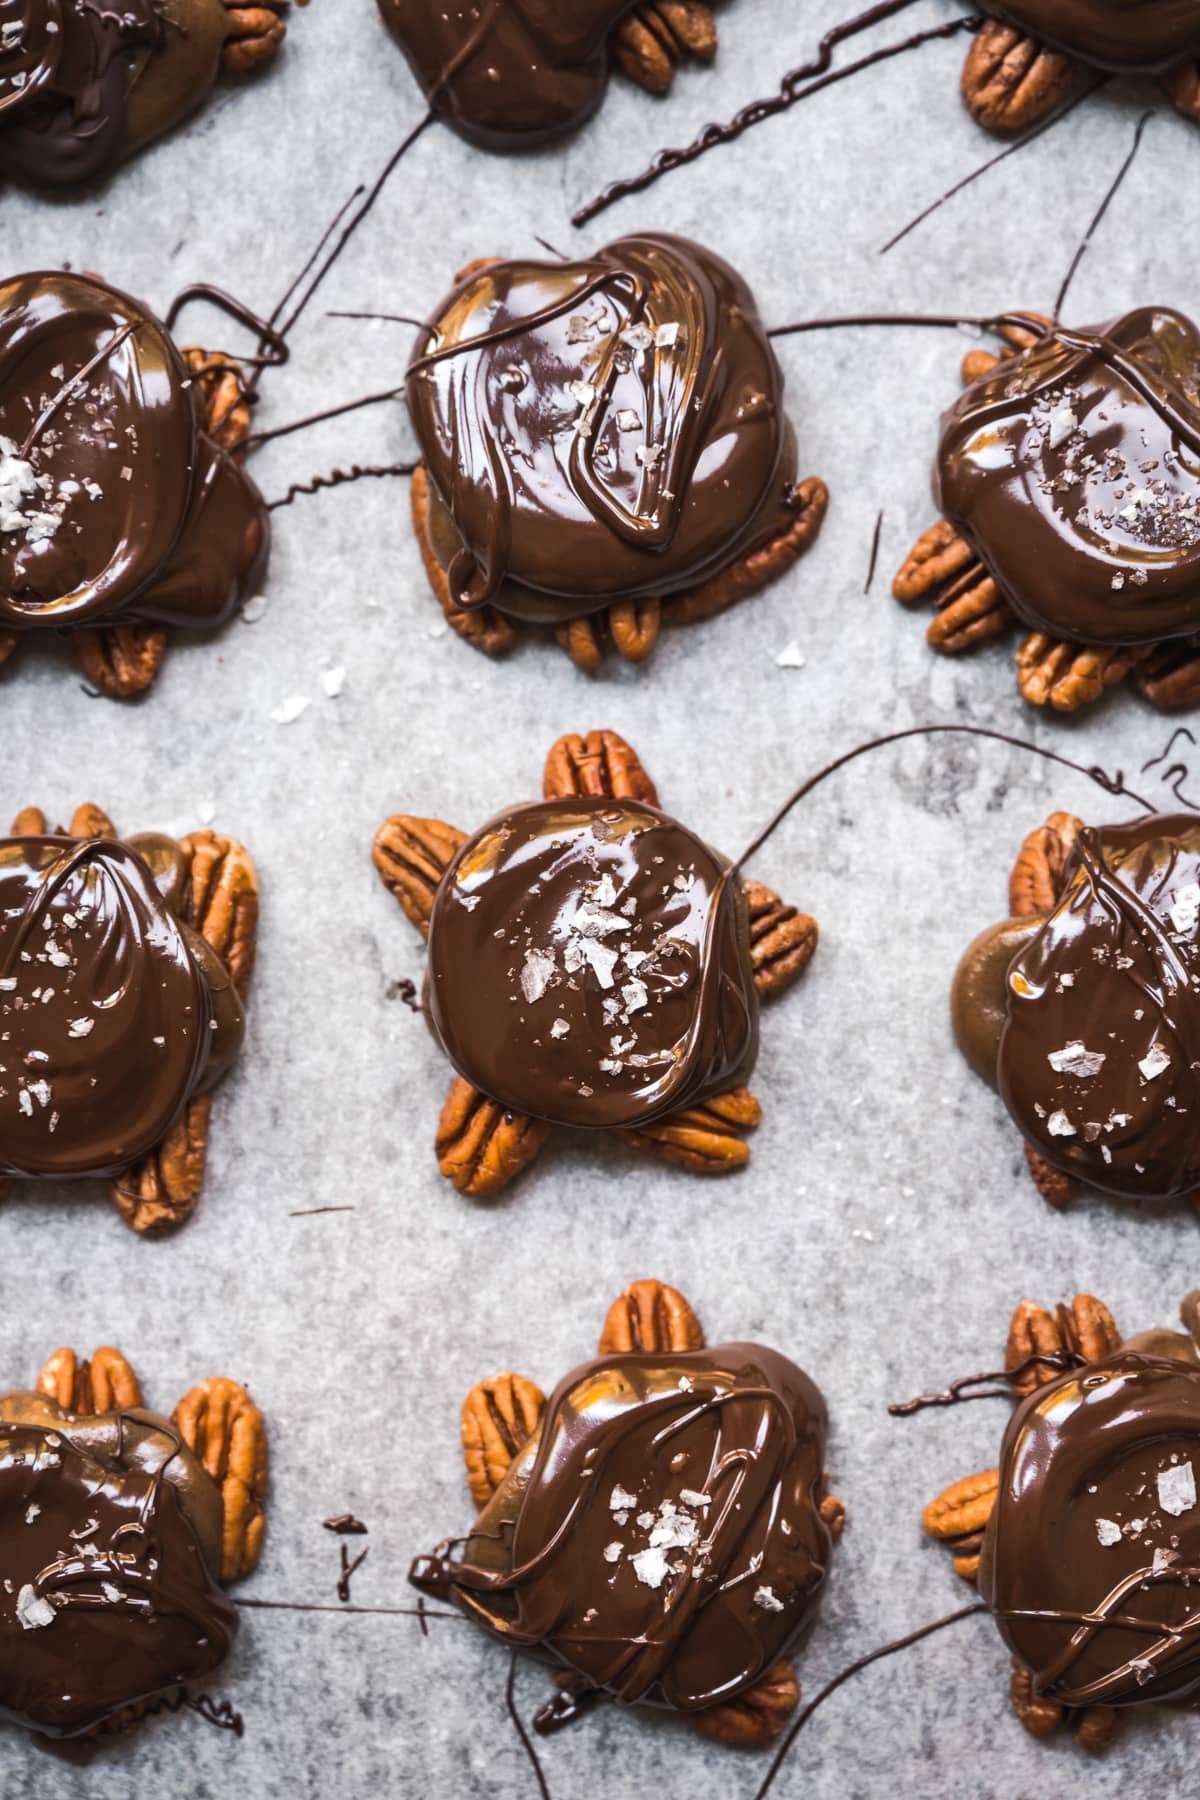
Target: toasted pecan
[
  {"x": 708, "y": 1138},
  {"x": 600, "y": 763},
  {"x": 938, "y": 558},
  {"x": 105, "y": 1382},
  {"x": 1056, "y": 1188},
  {"x": 1040, "y": 1717},
  {"x": 484, "y": 627},
  {"x": 1036, "y": 883},
  {"x": 221, "y": 389},
  {"x": 1169, "y": 678},
  {"x": 782, "y": 939},
  {"x": 499, "y": 1417},
  {"x": 1011, "y": 80},
  {"x": 756, "y": 1716},
  {"x": 1066, "y": 676},
  {"x": 253, "y": 35},
  {"x": 1086, "y": 1327},
  {"x": 480, "y": 1145},
  {"x": 223, "y": 1428},
  {"x": 800, "y": 518},
  {"x": 412, "y": 855},
  {"x": 120, "y": 660},
  {"x": 1183, "y": 89},
  {"x": 650, "y": 1316}
]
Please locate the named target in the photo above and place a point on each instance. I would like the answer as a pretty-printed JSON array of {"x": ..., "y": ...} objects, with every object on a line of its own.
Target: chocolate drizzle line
[
  {"x": 348, "y": 1568},
  {"x": 340, "y": 478},
  {"x": 787, "y": 96},
  {"x": 1112, "y": 784},
  {"x": 956, "y": 1394},
  {"x": 874, "y": 552},
  {"x": 313, "y": 1606},
  {"x": 307, "y": 1212},
  {"x": 1028, "y": 137},
  {"x": 1107, "y": 201},
  {"x": 276, "y": 351},
  {"x": 856, "y": 1668},
  {"x": 519, "y": 1724}
]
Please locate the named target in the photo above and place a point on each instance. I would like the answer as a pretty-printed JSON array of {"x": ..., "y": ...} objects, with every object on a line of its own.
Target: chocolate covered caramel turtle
[
  {"x": 508, "y": 74},
  {"x": 1085, "y": 1542},
  {"x": 603, "y": 446},
  {"x": 1029, "y": 54},
  {"x": 1068, "y": 474},
  {"x": 592, "y": 963},
  {"x": 83, "y": 86},
  {"x": 659, "y": 1529},
  {"x": 124, "y": 506},
  {"x": 124, "y": 965},
  {"x": 120, "y": 1529},
  {"x": 1082, "y": 1008}
]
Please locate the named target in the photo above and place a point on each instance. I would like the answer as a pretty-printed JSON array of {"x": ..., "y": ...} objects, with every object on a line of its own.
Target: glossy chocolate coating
[
  {"x": 83, "y": 84},
  {"x": 1090, "y": 1566},
  {"x": 600, "y": 430},
  {"x": 659, "y": 1535},
  {"x": 1128, "y": 37},
  {"x": 507, "y": 73},
  {"x": 111, "y": 1529},
  {"x": 589, "y": 963},
  {"x": 137, "y": 514},
  {"x": 112, "y": 1013},
  {"x": 1106, "y": 990},
  {"x": 1073, "y": 470}
]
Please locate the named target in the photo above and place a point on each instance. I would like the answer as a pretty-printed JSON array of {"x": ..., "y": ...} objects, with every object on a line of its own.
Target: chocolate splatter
[{"x": 345, "y": 1525}]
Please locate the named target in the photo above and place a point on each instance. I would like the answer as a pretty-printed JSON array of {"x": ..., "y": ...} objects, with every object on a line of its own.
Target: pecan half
[
  {"x": 708, "y": 1138},
  {"x": 412, "y": 855},
  {"x": 91, "y": 821},
  {"x": 833, "y": 1512},
  {"x": 1183, "y": 89},
  {"x": 655, "y": 37},
  {"x": 601, "y": 763},
  {"x": 29, "y": 822},
  {"x": 120, "y": 660},
  {"x": 104, "y": 1383},
  {"x": 222, "y": 1427},
  {"x": 161, "y": 1191},
  {"x": 222, "y": 901},
  {"x": 580, "y": 640},
  {"x": 1056, "y": 1189},
  {"x": 782, "y": 939},
  {"x": 253, "y": 35},
  {"x": 1040, "y": 1717},
  {"x": 971, "y": 612},
  {"x": 484, "y": 627},
  {"x": 633, "y": 626},
  {"x": 220, "y": 385},
  {"x": 1052, "y": 672},
  {"x": 756, "y": 1716},
  {"x": 8, "y": 643},
  {"x": 981, "y": 362},
  {"x": 1010, "y": 81},
  {"x": 938, "y": 558},
  {"x": 498, "y": 1418},
  {"x": 801, "y": 514},
  {"x": 1097, "y": 1727},
  {"x": 1036, "y": 883},
  {"x": 1170, "y": 677},
  {"x": 958, "y": 1516},
  {"x": 650, "y": 1316},
  {"x": 480, "y": 1146},
  {"x": 1086, "y": 1326}
]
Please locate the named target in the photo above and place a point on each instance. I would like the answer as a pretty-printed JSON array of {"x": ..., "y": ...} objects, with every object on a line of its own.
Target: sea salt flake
[
  {"x": 32, "y": 1513},
  {"x": 790, "y": 657},
  {"x": 613, "y": 1552},
  {"x": 79, "y": 1028},
  {"x": 333, "y": 681},
  {"x": 1185, "y": 908},
  {"x": 620, "y": 1501},
  {"x": 1108, "y": 1532},
  {"x": 583, "y": 391},
  {"x": 601, "y": 959},
  {"x": 767, "y": 1599},
  {"x": 1154, "y": 1062},
  {"x": 691, "y": 1497},
  {"x": 289, "y": 710},
  {"x": 635, "y": 995},
  {"x": 536, "y": 975},
  {"x": 628, "y": 420},
  {"x": 649, "y": 455},
  {"x": 651, "y": 1567},
  {"x": 559, "y": 1029},
  {"x": 667, "y": 335},
  {"x": 254, "y": 608},
  {"x": 1163, "y": 1560},
  {"x": 32, "y": 1610},
  {"x": 1177, "y": 1489},
  {"x": 1075, "y": 1059},
  {"x": 1062, "y": 423},
  {"x": 111, "y": 1592},
  {"x": 1058, "y": 1125}
]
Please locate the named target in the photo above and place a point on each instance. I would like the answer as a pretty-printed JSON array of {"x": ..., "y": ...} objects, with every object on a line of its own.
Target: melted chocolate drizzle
[
  {"x": 1110, "y": 195},
  {"x": 959, "y": 1390},
  {"x": 791, "y": 92}
]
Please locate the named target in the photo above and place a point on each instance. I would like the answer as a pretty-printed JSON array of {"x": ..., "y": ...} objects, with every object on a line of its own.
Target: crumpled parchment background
[{"x": 886, "y": 1226}]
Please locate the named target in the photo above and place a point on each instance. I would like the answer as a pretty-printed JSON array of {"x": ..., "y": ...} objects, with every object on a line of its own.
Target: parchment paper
[{"x": 886, "y": 1225}]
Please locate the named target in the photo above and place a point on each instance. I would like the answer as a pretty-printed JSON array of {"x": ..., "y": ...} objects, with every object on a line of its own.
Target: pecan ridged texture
[
  {"x": 1169, "y": 678},
  {"x": 709, "y": 1139},
  {"x": 1085, "y": 1327},
  {"x": 483, "y": 627},
  {"x": 1056, "y": 1188},
  {"x": 1011, "y": 80},
  {"x": 1065, "y": 676},
  {"x": 412, "y": 855},
  {"x": 600, "y": 764},
  {"x": 480, "y": 1145},
  {"x": 801, "y": 516},
  {"x": 120, "y": 660},
  {"x": 756, "y": 1716},
  {"x": 103, "y": 1382},
  {"x": 782, "y": 939},
  {"x": 650, "y": 1317},
  {"x": 655, "y": 37},
  {"x": 225, "y": 1430},
  {"x": 499, "y": 1417},
  {"x": 1036, "y": 883},
  {"x": 253, "y": 35}
]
